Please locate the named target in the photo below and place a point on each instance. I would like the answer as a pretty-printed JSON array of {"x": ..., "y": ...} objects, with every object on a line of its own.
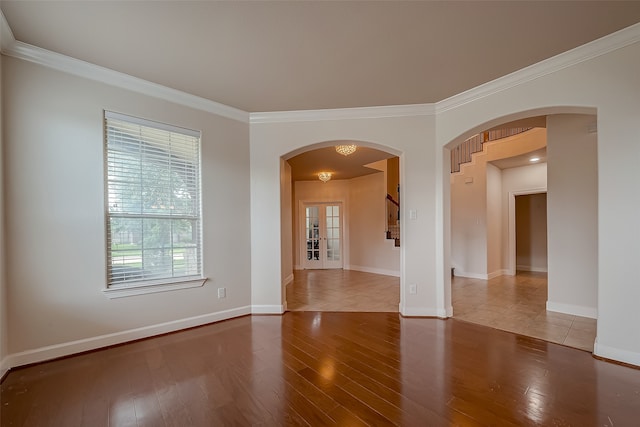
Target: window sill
[{"x": 143, "y": 289}]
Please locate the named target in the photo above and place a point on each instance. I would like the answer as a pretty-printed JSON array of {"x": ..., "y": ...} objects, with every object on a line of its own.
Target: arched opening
[
  {"x": 555, "y": 300},
  {"x": 340, "y": 229}
]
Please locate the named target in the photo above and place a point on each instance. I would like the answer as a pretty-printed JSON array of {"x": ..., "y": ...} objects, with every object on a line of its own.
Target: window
[{"x": 153, "y": 203}]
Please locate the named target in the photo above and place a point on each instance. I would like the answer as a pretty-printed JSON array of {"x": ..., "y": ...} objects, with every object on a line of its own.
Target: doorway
[{"x": 322, "y": 235}]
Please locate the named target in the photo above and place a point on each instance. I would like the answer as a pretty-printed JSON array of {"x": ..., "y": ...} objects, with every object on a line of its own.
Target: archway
[
  {"x": 569, "y": 235},
  {"x": 356, "y": 243}
]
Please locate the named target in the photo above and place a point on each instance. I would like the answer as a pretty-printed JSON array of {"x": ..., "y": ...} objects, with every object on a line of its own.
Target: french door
[{"x": 322, "y": 235}]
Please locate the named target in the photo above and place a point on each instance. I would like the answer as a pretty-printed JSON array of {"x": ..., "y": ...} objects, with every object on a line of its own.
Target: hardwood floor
[{"x": 313, "y": 368}]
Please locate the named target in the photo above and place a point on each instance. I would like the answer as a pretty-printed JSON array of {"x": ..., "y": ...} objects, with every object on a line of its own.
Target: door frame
[
  {"x": 511, "y": 271},
  {"x": 344, "y": 247}
]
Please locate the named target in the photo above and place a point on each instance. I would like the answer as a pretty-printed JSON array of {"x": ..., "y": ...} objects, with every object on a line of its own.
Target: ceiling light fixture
[
  {"x": 324, "y": 176},
  {"x": 534, "y": 159},
  {"x": 346, "y": 149}
]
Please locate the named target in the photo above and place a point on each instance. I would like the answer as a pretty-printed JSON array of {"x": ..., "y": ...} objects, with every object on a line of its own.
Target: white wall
[
  {"x": 3, "y": 282},
  {"x": 479, "y": 231},
  {"x": 581, "y": 82},
  {"x": 286, "y": 208},
  {"x": 54, "y": 206},
  {"x": 369, "y": 249},
  {"x": 279, "y": 134},
  {"x": 469, "y": 219},
  {"x": 572, "y": 200},
  {"x": 531, "y": 232},
  {"x": 494, "y": 221}
]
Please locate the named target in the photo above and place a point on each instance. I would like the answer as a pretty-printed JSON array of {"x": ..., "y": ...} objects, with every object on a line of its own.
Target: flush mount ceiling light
[
  {"x": 347, "y": 149},
  {"x": 324, "y": 176},
  {"x": 534, "y": 159}
]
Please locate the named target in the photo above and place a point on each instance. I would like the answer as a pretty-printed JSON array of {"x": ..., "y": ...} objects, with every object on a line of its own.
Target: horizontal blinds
[{"x": 153, "y": 201}]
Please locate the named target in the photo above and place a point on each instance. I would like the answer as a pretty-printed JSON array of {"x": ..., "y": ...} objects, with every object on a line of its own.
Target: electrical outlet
[
  {"x": 222, "y": 292},
  {"x": 413, "y": 289}
]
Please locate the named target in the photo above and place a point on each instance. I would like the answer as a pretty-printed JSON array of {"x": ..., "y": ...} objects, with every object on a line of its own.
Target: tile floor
[
  {"x": 343, "y": 290},
  {"x": 510, "y": 303},
  {"x": 518, "y": 304}
]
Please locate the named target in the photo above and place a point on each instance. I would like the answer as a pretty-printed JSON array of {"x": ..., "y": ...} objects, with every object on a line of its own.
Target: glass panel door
[{"x": 322, "y": 241}]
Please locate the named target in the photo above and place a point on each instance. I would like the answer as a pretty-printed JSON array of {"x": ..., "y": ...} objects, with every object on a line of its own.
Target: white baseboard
[
  {"x": 394, "y": 273},
  {"x": 73, "y": 347},
  {"x": 616, "y": 354},
  {"x": 422, "y": 312},
  {"x": 480, "y": 276},
  {"x": 267, "y": 309},
  {"x": 288, "y": 279},
  {"x": 530, "y": 268},
  {"x": 469, "y": 275},
  {"x": 497, "y": 273},
  {"x": 575, "y": 310}
]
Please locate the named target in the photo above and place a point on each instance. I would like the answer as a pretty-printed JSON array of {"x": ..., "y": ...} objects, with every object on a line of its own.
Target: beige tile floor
[
  {"x": 343, "y": 290},
  {"x": 518, "y": 304},
  {"x": 511, "y": 303}
]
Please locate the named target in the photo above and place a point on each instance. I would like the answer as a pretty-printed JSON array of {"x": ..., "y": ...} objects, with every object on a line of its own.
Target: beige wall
[
  {"x": 54, "y": 207},
  {"x": 286, "y": 209},
  {"x": 494, "y": 221},
  {"x": 369, "y": 248},
  {"x": 531, "y": 232},
  {"x": 572, "y": 204},
  {"x": 479, "y": 218},
  {"x": 3, "y": 283}
]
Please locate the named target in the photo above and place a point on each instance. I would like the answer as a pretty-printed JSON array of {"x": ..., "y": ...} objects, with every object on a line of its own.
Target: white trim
[
  {"x": 530, "y": 268},
  {"x": 575, "y": 310},
  {"x": 385, "y": 272},
  {"x": 6, "y": 35},
  {"x": 379, "y": 112},
  {"x": 73, "y": 347},
  {"x": 422, "y": 312},
  {"x": 267, "y": 309},
  {"x": 130, "y": 291},
  {"x": 616, "y": 354},
  {"x": 496, "y": 273},
  {"x": 94, "y": 72},
  {"x": 288, "y": 279},
  {"x": 585, "y": 52},
  {"x": 470, "y": 275}
]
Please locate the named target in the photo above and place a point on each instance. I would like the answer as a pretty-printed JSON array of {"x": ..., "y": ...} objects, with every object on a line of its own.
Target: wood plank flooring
[{"x": 332, "y": 368}]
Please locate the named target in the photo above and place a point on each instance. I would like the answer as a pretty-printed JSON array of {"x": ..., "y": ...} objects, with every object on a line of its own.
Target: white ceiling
[{"x": 296, "y": 55}]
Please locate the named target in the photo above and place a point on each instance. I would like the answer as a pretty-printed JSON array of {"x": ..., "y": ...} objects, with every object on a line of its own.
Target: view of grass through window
[{"x": 153, "y": 196}]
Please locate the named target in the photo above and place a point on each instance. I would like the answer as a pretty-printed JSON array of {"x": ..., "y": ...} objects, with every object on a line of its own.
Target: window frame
[{"x": 160, "y": 284}]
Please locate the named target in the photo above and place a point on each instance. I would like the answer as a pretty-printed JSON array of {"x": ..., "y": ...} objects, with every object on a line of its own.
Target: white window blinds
[{"x": 153, "y": 202}]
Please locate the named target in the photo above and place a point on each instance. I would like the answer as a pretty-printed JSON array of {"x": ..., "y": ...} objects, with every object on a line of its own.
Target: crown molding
[
  {"x": 601, "y": 46},
  {"x": 343, "y": 113},
  {"x": 6, "y": 35},
  {"x": 17, "y": 49}
]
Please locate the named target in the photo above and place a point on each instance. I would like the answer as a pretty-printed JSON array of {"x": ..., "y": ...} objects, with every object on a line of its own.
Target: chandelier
[
  {"x": 324, "y": 176},
  {"x": 346, "y": 149}
]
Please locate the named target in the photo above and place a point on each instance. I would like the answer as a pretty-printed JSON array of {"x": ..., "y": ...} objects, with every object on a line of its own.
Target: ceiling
[
  {"x": 297, "y": 55},
  {"x": 306, "y": 166}
]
